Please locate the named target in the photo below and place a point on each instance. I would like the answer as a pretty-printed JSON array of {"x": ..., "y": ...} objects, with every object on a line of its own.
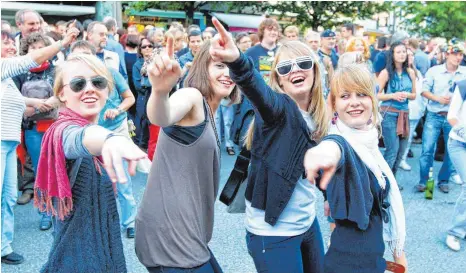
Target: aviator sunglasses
[
  {"x": 285, "y": 67},
  {"x": 79, "y": 84}
]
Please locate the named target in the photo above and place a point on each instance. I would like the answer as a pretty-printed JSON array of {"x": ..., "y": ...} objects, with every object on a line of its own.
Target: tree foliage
[
  {"x": 437, "y": 19},
  {"x": 329, "y": 13}
]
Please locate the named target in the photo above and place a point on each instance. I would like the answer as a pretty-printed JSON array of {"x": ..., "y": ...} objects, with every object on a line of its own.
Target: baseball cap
[
  {"x": 327, "y": 33},
  {"x": 455, "y": 48}
]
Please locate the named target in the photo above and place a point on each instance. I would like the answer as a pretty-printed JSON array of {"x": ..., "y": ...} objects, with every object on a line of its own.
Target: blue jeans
[
  {"x": 395, "y": 146},
  {"x": 9, "y": 193},
  {"x": 412, "y": 127},
  {"x": 141, "y": 122},
  {"x": 457, "y": 152},
  {"x": 127, "y": 203},
  {"x": 432, "y": 127},
  {"x": 225, "y": 114},
  {"x": 211, "y": 266},
  {"x": 297, "y": 254}
]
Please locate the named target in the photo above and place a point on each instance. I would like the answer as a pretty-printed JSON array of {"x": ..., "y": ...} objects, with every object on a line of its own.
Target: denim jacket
[{"x": 281, "y": 138}]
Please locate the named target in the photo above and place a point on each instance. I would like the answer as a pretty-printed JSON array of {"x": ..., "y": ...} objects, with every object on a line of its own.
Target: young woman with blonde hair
[
  {"x": 361, "y": 189},
  {"x": 71, "y": 182},
  {"x": 283, "y": 234}
]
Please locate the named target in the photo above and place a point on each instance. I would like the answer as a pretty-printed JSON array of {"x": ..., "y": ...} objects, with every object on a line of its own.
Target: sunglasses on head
[
  {"x": 303, "y": 63},
  {"x": 79, "y": 84},
  {"x": 146, "y": 46}
]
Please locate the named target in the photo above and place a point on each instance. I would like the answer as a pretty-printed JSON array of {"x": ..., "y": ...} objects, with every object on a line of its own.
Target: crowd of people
[{"x": 85, "y": 104}]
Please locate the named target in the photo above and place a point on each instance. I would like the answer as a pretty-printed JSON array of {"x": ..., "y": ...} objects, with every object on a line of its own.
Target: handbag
[{"x": 233, "y": 192}]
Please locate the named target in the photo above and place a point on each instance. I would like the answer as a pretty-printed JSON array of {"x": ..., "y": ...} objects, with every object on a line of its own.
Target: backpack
[{"x": 39, "y": 86}]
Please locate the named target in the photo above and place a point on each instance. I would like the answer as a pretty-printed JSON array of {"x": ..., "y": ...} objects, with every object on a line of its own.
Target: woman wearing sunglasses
[
  {"x": 361, "y": 189},
  {"x": 175, "y": 220},
  {"x": 283, "y": 234},
  {"x": 142, "y": 85},
  {"x": 78, "y": 189}
]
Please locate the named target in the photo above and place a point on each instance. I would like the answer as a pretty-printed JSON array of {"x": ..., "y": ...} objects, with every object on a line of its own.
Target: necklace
[{"x": 213, "y": 125}]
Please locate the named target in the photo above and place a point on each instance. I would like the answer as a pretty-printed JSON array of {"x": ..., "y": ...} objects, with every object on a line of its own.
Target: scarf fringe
[{"x": 44, "y": 203}]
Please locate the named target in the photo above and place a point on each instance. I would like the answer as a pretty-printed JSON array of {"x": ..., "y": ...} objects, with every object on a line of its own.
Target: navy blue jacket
[{"x": 281, "y": 138}]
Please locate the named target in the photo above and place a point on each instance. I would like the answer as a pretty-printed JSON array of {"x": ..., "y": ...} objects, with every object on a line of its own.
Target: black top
[
  {"x": 281, "y": 138},
  {"x": 357, "y": 204}
]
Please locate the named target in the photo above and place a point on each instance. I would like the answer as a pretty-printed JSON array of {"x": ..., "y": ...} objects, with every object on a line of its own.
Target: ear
[{"x": 61, "y": 96}]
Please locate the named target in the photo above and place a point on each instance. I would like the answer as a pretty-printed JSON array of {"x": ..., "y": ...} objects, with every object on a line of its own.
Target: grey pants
[{"x": 26, "y": 176}]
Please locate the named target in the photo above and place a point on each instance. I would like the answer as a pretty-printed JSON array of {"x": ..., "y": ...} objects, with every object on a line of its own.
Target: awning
[
  {"x": 165, "y": 14},
  {"x": 49, "y": 9},
  {"x": 239, "y": 22}
]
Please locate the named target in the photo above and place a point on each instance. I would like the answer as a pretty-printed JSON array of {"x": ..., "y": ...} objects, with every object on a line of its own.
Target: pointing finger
[
  {"x": 220, "y": 29},
  {"x": 170, "y": 46}
]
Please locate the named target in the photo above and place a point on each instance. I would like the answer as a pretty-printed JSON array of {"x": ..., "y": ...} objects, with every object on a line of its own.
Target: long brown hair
[
  {"x": 198, "y": 75},
  {"x": 317, "y": 106}
]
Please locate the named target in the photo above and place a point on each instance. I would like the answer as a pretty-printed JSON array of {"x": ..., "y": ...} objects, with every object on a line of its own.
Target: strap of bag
[{"x": 237, "y": 176}]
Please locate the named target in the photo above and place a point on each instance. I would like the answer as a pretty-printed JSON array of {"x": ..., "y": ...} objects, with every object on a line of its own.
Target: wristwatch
[{"x": 119, "y": 111}]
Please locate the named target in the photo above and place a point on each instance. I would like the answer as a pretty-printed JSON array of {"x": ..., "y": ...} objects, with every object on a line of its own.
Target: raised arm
[{"x": 242, "y": 72}]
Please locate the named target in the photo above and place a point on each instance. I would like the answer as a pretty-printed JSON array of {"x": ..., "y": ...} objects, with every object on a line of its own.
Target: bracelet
[{"x": 112, "y": 135}]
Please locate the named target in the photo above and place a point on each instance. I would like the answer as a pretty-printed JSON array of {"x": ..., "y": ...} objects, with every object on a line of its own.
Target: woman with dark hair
[
  {"x": 397, "y": 84},
  {"x": 37, "y": 83},
  {"x": 13, "y": 105},
  {"x": 176, "y": 216},
  {"x": 142, "y": 86}
]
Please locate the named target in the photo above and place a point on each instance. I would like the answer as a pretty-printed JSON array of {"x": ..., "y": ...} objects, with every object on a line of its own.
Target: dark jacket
[
  {"x": 141, "y": 83},
  {"x": 281, "y": 138}
]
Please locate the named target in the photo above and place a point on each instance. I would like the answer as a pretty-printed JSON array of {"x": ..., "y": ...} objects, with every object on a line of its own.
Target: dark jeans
[
  {"x": 141, "y": 122},
  {"x": 279, "y": 254},
  {"x": 211, "y": 266}
]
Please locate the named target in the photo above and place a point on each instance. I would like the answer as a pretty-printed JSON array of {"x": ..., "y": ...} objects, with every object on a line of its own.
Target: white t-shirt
[
  {"x": 458, "y": 110},
  {"x": 299, "y": 213}
]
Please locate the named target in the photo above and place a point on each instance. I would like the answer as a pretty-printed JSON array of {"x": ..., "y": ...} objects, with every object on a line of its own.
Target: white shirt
[
  {"x": 299, "y": 213},
  {"x": 458, "y": 111}
]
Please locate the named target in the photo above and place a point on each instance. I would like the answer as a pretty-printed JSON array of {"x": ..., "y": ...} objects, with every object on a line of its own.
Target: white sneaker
[
  {"x": 405, "y": 166},
  {"x": 453, "y": 243},
  {"x": 457, "y": 179}
]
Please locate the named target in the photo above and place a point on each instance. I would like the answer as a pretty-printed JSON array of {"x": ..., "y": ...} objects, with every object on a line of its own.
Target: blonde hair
[
  {"x": 317, "y": 105},
  {"x": 91, "y": 61},
  {"x": 350, "y": 47},
  {"x": 348, "y": 58},
  {"x": 354, "y": 78},
  {"x": 291, "y": 29}
]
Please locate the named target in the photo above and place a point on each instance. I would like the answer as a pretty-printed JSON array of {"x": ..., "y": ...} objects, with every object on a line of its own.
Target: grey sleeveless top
[{"x": 176, "y": 216}]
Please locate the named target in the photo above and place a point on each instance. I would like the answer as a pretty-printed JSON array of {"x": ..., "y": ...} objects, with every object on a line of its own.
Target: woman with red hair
[{"x": 358, "y": 44}]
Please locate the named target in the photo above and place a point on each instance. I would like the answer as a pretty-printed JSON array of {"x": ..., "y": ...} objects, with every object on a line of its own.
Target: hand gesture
[
  {"x": 164, "y": 71},
  {"x": 324, "y": 157},
  {"x": 399, "y": 96},
  {"x": 114, "y": 151},
  {"x": 110, "y": 114},
  {"x": 70, "y": 35},
  {"x": 445, "y": 100},
  {"x": 42, "y": 105},
  {"x": 222, "y": 47}
]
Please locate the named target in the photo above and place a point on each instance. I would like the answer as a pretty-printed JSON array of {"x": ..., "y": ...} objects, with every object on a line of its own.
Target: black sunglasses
[
  {"x": 79, "y": 84},
  {"x": 285, "y": 67},
  {"x": 146, "y": 46}
]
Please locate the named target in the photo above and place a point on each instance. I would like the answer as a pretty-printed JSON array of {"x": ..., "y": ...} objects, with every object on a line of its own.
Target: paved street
[{"x": 427, "y": 222}]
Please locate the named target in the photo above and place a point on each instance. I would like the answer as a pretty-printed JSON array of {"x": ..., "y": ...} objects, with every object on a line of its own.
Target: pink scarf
[{"x": 52, "y": 178}]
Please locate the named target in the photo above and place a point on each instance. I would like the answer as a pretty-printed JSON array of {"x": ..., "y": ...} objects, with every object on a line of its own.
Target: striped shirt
[{"x": 12, "y": 102}]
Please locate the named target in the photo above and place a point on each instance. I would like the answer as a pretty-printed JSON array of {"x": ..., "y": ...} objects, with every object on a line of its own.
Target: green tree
[
  {"x": 437, "y": 19},
  {"x": 328, "y": 13}
]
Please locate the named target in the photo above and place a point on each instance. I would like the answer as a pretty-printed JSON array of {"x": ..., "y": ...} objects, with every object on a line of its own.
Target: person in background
[
  {"x": 194, "y": 44},
  {"x": 291, "y": 33},
  {"x": 313, "y": 40},
  {"x": 77, "y": 25},
  {"x": 61, "y": 27},
  {"x": 97, "y": 36},
  {"x": 13, "y": 105},
  {"x": 208, "y": 34},
  {"x": 421, "y": 59},
  {"x": 119, "y": 34},
  {"x": 347, "y": 33},
  {"x": 358, "y": 44},
  {"x": 85, "y": 26},
  {"x": 439, "y": 84},
  {"x": 381, "y": 59},
  {"x": 382, "y": 45},
  {"x": 156, "y": 36},
  {"x": 37, "y": 83},
  {"x": 27, "y": 21},
  {"x": 6, "y": 26},
  {"x": 178, "y": 38},
  {"x": 243, "y": 41},
  {"x": 397, "y": 83},
  {"x": 143, "y": 86},
  {"x": 113, "y": 44},
  {"x": 131, "y": 56},
  {"x": 327, "y": 47},
  {"x": 133, "y": 30},
  {"x": 254, "y": 39},
  {"x": 457, "y": 151},
  {"x": 417, "y": 109}
]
